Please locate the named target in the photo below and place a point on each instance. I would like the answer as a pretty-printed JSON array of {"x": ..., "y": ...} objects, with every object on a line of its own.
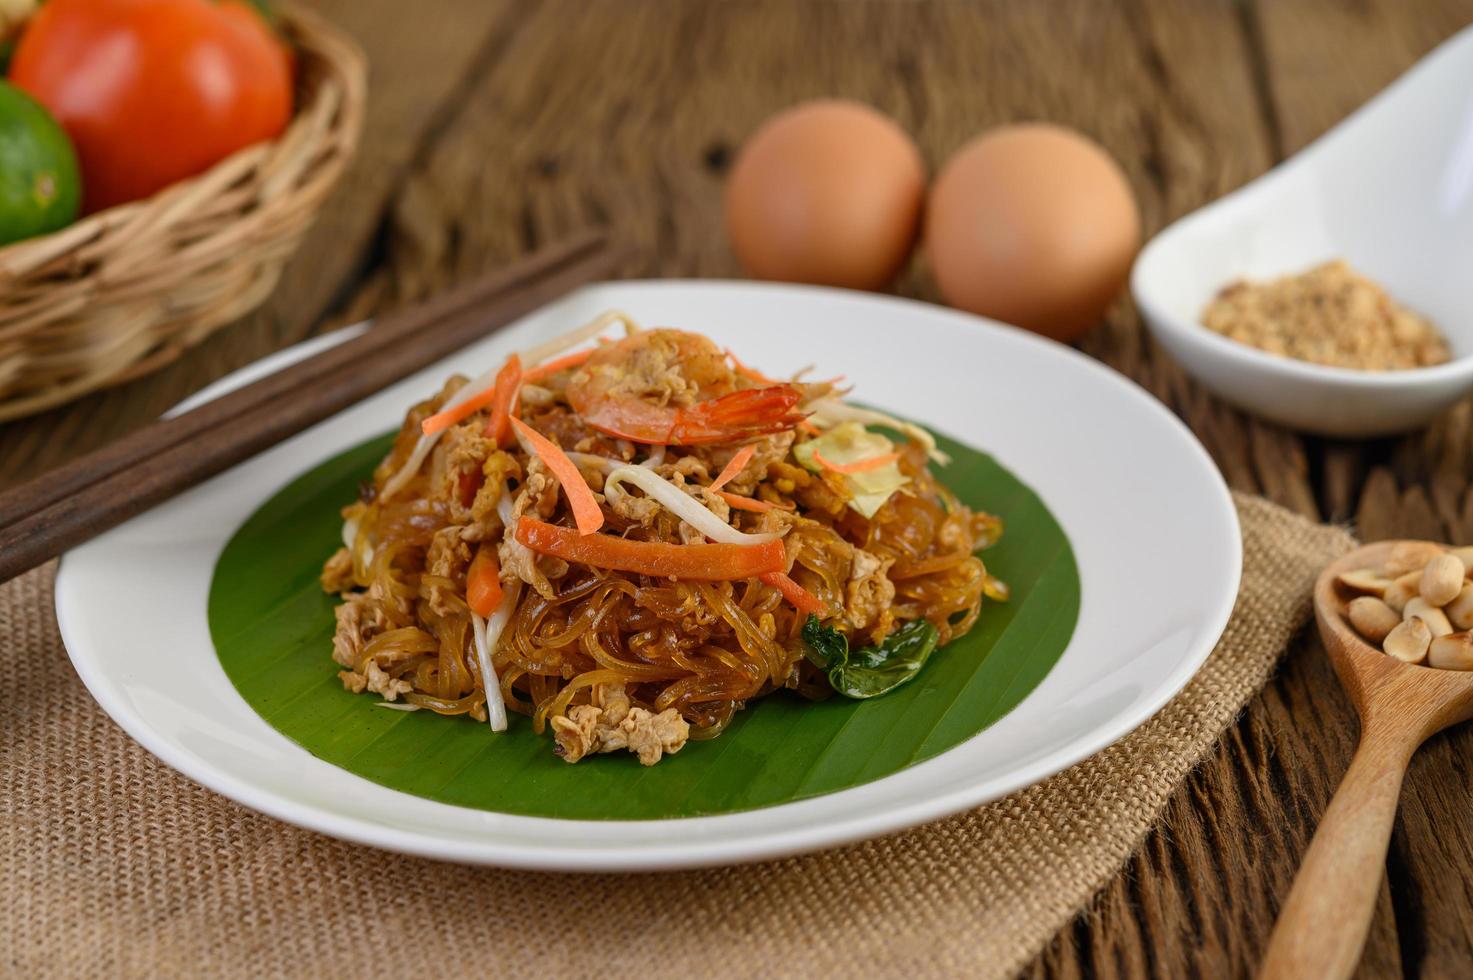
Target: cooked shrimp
[{"x": 672, "y": 388}]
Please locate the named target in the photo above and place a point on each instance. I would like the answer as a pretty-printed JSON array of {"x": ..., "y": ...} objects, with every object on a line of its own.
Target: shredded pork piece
[
  {"x": 460, "y": 456},
  {"x": 347, "y": 649},
  {"x": 389, "y": 607},
  {"x": 650, "y": 736},
  {"x": 869, "y": 592},
  {"x": 518, "y": 561},
  {"x": 612, "y": 700},
  {"x": 640, "y": 510},
  {"x": 485, "y": 524},
  {"x": 376, "y": 680},
  {"x": 337, "y": 574},
  {"x": 380, "y": 682},
  {"x": 610, "y": 723},
  {"x": 771, "y": 450},
  {"x": 711, "y": 501},
  {"x": 542, "y": 487},
  {"x": 352, "y": 632},
  {"x": 777, "y": 522},
  {"x": 686, "y": 466},
  {"x": 448, "y": 557},
  {"x": 538, "y": 496}
]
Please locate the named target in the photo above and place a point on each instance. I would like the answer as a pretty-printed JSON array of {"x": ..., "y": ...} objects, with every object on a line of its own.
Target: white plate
[{"x": 1131, "y": 487}]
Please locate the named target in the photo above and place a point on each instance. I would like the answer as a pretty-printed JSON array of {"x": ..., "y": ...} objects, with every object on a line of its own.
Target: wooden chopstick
[{"x": 62, "y": 508}]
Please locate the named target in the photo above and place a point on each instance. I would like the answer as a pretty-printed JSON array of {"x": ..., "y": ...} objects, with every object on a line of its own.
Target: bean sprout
[{"x": 679, "y": 503}]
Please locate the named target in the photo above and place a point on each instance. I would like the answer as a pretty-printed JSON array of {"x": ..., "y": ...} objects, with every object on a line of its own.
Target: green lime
[
  {"x": 267, "y": 12},
  {"x": 40, "y": 186}
]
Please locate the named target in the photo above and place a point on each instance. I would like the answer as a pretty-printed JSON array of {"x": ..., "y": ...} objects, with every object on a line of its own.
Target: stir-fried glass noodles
[{"x": 629, "y": 541}]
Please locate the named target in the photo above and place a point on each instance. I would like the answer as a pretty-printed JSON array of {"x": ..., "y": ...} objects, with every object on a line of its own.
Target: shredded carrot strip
[
  {"x": 750, "y": 373},
  {"x": 808, "y": 428},
  {"x": 447, "y": 417},
  {"x": 503, "y": 404},
  {"x": 549, "y": 368},
  {"x": 858, "y": 466},
  {"x": 483, "y": 582},
  {"x": 731, "y": 469},
  {"x": 586, "y": 512},
  {"x": 749, "y": 503},
  {"x": 709, "y": 562},
  {"x": 803, "y": 600}
]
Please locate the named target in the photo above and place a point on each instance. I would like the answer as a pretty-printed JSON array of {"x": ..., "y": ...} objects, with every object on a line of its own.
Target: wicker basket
[{"x": 124, "y": 291}]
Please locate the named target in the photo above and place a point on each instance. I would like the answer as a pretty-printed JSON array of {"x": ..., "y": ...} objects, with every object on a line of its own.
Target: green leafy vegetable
[{"x": 871, "y": 671}]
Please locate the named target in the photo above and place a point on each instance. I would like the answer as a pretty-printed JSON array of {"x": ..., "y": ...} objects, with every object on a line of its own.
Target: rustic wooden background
[{"x": 495, "y": 125}]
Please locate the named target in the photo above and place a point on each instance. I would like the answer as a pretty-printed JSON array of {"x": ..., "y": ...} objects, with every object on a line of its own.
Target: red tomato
[{"x": 153, "y": 91}]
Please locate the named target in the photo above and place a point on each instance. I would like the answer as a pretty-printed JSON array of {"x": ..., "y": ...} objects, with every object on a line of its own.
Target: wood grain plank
[
  {"x": 1326, "y": 57},
  {"x": 419, "y": 55}
]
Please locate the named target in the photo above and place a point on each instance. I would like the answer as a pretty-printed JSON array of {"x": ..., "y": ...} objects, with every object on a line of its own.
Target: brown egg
[
  {"x": 1033, "y": 225},
  {"x": 827, "y": 192}
]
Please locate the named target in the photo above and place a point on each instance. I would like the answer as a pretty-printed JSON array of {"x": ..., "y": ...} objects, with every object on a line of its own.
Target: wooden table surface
[{"x": 495, "y": 125}]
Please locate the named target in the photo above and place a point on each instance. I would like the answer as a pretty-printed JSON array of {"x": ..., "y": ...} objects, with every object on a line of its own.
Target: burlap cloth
[{"x": 113, "y": 865}]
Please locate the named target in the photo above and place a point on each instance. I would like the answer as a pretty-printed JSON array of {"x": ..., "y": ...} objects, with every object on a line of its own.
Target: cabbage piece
[
  {"x": 851, "y": 442},
  {"x": 826, "y": 412}
]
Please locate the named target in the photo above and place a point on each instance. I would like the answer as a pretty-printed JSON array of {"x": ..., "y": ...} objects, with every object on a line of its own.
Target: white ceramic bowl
[{"x": 1390, "y": 189}]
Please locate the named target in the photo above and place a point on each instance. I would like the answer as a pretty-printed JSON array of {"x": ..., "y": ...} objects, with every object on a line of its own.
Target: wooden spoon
[{"x": 1322, "y": 928}]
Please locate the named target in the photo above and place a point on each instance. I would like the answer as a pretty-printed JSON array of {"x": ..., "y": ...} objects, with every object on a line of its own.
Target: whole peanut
[
  {"x": 1409, "y": 641},
  {"x": 1435, "y": 618},
  {"x": 1372, "y": 618},
  {"x": 1451, "y": 652},
  {"x": 1460, "y": 610},
  {"x": 1441, "y": 580}
]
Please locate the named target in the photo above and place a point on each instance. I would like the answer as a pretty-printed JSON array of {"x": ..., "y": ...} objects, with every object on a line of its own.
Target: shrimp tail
[{"x": 740, "y": 414}]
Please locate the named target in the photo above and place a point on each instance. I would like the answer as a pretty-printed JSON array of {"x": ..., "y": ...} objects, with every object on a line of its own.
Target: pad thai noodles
[{"x": 629, "y": 538}]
